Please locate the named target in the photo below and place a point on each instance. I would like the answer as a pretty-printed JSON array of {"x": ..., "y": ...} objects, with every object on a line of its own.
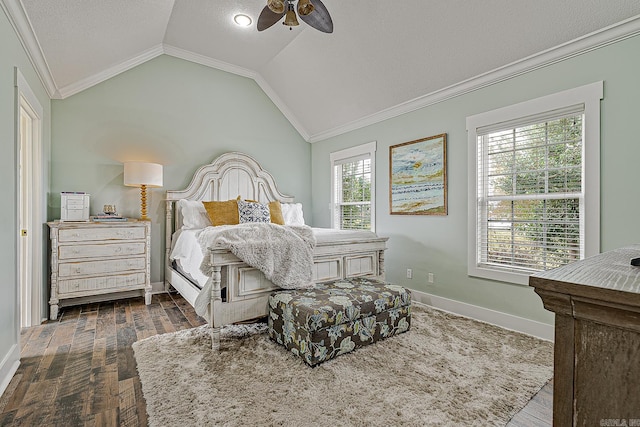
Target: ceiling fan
[{"x": 312, "y": 12}]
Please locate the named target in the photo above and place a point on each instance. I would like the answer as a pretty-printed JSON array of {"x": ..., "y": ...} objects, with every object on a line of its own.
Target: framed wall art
[{"x": 418, "y": 177}]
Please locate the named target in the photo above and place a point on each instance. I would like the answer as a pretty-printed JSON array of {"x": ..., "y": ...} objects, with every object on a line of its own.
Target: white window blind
[
  {"x": 353, "y": 188},
  {"x": 530, "y": 192}
]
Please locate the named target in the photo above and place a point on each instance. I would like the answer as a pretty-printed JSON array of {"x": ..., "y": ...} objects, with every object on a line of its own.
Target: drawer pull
[
  {"x": 77, "y": 270},
  {"x": 127, "y": 234},
  {"x": 119, "y": 249}
]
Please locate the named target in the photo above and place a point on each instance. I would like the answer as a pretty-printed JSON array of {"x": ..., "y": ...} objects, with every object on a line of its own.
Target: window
[
  {"x": 353, "y": 188},
  {"x": 534, "y": 185}
]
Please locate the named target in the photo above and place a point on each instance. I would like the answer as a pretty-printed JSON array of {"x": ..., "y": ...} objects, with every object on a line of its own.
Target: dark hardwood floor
[{"x": 80, "y": 369}]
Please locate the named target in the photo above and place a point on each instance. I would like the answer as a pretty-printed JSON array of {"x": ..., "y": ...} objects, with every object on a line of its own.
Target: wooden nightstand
[{"x": 98, "y": 261}]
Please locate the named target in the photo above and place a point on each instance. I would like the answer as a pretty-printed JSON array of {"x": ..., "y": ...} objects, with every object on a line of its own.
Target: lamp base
[{"x": 143, "y": 203}]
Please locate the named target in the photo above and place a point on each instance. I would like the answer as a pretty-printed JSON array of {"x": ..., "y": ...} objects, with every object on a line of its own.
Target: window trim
[
  {"x": 362, "y": 150},
  {"x": 589, "y": 95}
]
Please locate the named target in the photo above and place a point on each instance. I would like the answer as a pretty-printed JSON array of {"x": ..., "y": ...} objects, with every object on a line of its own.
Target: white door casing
[{"x": 31, "y": 205}]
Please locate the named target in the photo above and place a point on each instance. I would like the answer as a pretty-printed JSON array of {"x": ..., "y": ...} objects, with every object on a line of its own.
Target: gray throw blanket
[{"x": 284, "y": 254}]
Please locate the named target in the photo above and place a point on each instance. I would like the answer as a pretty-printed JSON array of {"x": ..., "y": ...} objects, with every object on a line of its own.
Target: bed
[{"x": 236, "y": 291}]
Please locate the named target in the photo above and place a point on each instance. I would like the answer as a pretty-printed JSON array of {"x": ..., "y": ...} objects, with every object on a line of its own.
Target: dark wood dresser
[{"x": 596, "y": 303}]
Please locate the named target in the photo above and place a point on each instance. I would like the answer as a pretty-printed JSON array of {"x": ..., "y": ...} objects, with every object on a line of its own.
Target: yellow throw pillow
[
  {"x": 275, "y": 210},
  {"x": 222, "y": 213}
]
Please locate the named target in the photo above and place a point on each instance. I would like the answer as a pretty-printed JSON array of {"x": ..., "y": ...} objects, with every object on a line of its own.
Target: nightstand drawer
[
  {"x": 106, "y": 250},
  {"x": 72, "y": 269},
  {"x": 101, "y": 233},
  {"x": 97, "y": 284}
]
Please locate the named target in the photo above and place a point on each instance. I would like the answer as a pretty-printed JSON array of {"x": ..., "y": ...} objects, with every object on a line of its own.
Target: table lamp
[{"x": 143, "y": 175}]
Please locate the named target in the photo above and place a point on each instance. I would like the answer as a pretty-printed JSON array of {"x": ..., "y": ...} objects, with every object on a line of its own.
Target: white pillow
[
  {"x": 292, "y": 213},
  {"x": 194, "y": 215}
]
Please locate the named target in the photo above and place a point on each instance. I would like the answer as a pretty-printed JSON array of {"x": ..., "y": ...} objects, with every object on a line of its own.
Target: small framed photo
[{"x": 418, "y": 177}]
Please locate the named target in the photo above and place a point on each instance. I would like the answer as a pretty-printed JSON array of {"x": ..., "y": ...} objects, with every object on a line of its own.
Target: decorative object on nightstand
[
  {"x": 108, "y": 218},
  {"x": 98, "y": 261},
  {"x": 109, "y": 210},
  {"x": 108, "y": 214},
  {"x": 143, "y": 175},
  {"x": 74, "y": 206}
]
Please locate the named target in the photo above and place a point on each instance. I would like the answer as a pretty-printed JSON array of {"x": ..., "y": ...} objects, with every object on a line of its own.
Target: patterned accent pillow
[{"x": 253, "y": 212}]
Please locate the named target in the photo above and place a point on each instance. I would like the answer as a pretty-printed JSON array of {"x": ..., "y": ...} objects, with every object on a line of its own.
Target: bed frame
[{"x": 247, "y": 290}]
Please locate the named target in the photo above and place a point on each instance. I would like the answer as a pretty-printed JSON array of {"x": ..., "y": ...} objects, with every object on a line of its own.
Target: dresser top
[
  {"x": 606, "y": 271},
  {"x": 87, "y": 224}
]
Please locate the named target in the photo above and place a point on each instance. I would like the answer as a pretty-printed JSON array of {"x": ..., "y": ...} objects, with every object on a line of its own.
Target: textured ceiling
[{"x": 382, "y": 56}]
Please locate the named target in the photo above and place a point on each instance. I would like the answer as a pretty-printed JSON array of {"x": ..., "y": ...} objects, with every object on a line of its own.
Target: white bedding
[{"x": 188, "y": 255}]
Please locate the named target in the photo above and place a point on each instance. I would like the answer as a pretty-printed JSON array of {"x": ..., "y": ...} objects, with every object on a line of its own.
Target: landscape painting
[{"x": 418, "y": 177}]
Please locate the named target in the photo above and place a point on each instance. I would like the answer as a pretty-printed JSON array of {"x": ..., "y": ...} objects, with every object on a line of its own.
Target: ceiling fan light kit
[
  {"x": 290, "y": 18},
  {"x": 312, "y": 12},
  {"x": 305, "y": 7},
  {"x": 276, "y": 6}
]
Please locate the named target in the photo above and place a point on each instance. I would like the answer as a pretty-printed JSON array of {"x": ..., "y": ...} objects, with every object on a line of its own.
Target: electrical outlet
[
  {"x": 430, "y": 277},
  {"x": 409, "y": 273}
]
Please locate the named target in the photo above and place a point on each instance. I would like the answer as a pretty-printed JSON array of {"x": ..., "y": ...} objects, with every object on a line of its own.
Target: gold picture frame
[{"x": 418, "y": 177}]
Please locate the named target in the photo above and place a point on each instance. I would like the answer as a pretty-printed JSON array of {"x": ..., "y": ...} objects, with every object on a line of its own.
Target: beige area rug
[{"x": 446, "y": 371}]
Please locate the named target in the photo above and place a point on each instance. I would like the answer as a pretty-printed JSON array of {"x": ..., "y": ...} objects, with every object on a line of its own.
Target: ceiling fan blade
[
  {"x": 319, "y": 18},
  {"x": 267, "y": 18}
]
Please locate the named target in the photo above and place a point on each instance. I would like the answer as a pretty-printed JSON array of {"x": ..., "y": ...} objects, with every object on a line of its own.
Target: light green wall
[
  {"x": 12, "y": 55},
  {"x": 172, "y": 112},
  {"x": 439, "y": 244}
]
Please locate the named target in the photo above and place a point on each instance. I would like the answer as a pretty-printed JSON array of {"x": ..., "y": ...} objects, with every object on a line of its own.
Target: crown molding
[
  {"x": 110, "y": 72},
  {"x": 23, "y": 29},
  {"x": 207, "y": 61},
  {"x": 595, "y": 40}
]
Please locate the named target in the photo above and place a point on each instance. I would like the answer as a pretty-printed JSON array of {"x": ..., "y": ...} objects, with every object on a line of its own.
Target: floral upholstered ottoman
[{"x": 334, "y": 318}]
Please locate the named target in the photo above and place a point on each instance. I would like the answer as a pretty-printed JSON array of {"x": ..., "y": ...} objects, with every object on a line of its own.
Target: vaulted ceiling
[{"x": 383, "y": 58}]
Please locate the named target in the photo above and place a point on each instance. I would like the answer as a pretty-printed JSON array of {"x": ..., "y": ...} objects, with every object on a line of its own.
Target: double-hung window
[
  {"x": 534, "y": 185},
  {"x": 353, "y": 188}
]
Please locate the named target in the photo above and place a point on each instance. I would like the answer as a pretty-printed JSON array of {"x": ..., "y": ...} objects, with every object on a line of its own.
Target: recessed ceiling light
[{"x": 242, "y": 20}]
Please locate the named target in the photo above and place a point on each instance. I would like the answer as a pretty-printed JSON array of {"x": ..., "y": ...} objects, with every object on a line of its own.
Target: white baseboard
[
  {"x": 508, "y": 321},
  {"x": 8, "y": 367}
]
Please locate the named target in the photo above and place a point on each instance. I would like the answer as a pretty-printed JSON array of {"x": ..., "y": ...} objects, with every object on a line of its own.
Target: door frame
[{"x": 26, "y": 99}]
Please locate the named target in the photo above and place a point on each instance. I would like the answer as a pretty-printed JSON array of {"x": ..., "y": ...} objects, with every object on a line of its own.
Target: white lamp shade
[{"x": 137, "y": 174}]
